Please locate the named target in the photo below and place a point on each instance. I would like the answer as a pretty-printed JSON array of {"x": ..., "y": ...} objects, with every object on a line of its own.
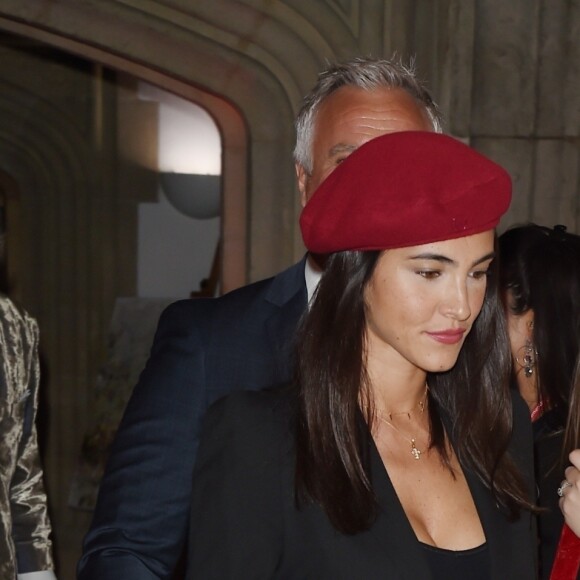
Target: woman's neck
[
  {"x": 395, "y": 393},
  {"x": 528, "y": 389}
]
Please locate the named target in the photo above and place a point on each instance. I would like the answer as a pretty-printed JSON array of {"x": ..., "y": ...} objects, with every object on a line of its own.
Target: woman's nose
[{"x": 457, "y": 302}]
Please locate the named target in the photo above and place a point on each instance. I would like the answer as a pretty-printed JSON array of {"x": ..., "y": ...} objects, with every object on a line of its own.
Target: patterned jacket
[{"x": 25, "y": 544}]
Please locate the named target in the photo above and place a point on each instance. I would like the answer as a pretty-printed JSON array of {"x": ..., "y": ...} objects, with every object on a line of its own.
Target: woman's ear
[{"x": 528, "y": 320}]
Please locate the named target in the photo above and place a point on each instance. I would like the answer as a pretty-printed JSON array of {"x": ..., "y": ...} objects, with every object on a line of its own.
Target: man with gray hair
[{"x": 205, "y": 348}]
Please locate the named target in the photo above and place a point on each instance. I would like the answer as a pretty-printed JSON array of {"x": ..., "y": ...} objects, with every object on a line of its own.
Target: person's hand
[{"x": 570, "y": 493}]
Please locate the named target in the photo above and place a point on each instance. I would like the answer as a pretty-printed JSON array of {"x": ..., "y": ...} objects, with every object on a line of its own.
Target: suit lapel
[
  {"x": 281, "y": 328},
  {"x": 288, "y": 297}
]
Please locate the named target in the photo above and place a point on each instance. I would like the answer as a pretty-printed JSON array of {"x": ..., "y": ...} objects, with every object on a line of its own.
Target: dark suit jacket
[
  {"x": 245, "y": 524},
  {"x": 203, "y": 348}
]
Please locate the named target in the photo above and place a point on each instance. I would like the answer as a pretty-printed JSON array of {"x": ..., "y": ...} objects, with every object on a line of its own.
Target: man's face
[{"x": 350, "y": 117}]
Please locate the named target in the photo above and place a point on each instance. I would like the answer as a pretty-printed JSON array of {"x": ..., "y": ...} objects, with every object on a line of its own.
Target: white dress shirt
[{"x": 312, "y": 274}]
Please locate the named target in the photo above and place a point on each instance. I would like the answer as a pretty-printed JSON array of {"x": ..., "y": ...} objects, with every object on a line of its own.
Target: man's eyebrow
[
  {"x": 447, "y": 260},
  {"x": 341, "y": 148}
]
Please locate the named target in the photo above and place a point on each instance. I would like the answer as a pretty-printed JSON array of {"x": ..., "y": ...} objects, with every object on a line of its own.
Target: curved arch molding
[{"x": 256, "y": 59}]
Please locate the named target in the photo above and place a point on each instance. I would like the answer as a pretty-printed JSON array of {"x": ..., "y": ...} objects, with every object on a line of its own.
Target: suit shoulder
[
  {"x": 256, "y": 300},
  {"x": 196, "y": 307}
]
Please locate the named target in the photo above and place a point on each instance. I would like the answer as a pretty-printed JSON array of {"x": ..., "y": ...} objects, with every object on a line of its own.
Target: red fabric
[
  {"x": 405, "y": 189},
  {"x": 567, "y": 561}
]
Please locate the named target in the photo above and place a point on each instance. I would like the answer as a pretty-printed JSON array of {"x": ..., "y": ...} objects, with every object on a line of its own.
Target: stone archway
[{"x": 234, "y": 133}]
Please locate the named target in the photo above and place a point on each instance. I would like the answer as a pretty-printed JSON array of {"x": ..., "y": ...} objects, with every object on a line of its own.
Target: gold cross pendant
[{"x": 414, "y": 451}]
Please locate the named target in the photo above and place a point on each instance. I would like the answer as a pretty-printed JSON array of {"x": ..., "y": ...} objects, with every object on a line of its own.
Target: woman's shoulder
[
  {"x": 522, "y": 423},
  {"x": 521, "y": 444},
  {"x": 275, "y": 402},
  {"x": 521, "y": 411},
  {"x": 251, "y": 417}
]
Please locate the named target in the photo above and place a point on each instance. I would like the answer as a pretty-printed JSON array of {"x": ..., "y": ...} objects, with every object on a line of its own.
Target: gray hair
[{"x": 364, "y": 73}]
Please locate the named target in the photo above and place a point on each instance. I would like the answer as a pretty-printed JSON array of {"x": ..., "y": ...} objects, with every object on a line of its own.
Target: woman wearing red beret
[{"x": 398, "y": 452}]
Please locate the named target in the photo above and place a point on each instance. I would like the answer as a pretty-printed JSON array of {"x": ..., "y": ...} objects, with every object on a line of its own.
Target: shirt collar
[{"x": 312, "y": 274}]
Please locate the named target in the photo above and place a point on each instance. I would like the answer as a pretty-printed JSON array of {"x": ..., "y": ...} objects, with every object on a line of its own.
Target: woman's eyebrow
[
  {"x": 485, "y": 258},
  {"x": 435, "y": 257},
  {"x": 447, "y": 260}
]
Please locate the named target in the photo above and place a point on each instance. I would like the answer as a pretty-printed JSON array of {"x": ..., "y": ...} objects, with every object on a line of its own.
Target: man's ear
[{"x": 302, "y": 178}]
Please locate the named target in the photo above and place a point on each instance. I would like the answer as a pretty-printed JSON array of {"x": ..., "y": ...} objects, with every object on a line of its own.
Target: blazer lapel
[
  {"x": 499, "y": 532},
  {"x": 494, "y": 523},
  {"x": 392, "y": 528}
]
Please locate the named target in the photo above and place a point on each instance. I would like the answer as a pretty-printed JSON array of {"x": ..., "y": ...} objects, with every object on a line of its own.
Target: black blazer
[
  {"x": 203, "y": 348},
  {"x": 244, "y": 521}
]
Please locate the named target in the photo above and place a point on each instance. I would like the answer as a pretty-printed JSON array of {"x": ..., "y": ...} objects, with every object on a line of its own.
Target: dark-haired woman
[
  {"x": 398, "y": 452},
  {"x": 540, "y": 282}
]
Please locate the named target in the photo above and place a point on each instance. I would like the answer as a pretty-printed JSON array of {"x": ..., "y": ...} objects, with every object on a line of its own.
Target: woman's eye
[
  {"x": 480, "y": 274},
  {"x": 429, "y": 274}
]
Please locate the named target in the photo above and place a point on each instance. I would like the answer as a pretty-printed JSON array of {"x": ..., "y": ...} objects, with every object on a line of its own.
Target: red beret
[{"x": 405, "y": 189}]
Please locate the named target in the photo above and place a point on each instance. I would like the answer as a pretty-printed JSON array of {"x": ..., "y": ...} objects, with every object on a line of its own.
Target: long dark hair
[
  {"x": 332, "y": 441},
  {"x": 540, "y": 267}
]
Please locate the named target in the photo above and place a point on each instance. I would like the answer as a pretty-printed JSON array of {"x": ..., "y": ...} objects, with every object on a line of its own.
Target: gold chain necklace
[{"x": 415, "y": 451}]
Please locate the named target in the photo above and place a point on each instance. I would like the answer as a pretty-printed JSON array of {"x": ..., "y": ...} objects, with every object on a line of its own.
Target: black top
[
  {"x": 457, "y": 565},
  {"x": 245, "y": 523}
]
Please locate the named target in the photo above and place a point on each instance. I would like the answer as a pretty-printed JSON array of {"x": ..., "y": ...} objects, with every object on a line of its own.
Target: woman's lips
[{"x": 451, "y": 336}]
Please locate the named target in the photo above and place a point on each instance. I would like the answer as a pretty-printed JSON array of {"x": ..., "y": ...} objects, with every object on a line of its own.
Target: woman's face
[
  {"x": 520, "y": 333},
  {"x": 422, "y": 301}
]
